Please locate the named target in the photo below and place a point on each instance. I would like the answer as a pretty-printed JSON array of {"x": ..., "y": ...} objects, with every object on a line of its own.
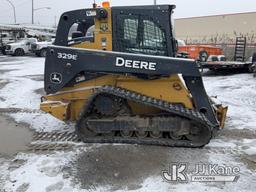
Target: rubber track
[{"x": 193, "y": 115}]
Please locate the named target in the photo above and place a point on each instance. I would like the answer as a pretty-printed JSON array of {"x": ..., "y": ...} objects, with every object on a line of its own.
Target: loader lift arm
[{"x": 64, "y": 63}]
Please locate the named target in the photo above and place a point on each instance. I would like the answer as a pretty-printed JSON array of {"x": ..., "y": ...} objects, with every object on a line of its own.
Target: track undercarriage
[{"x": 107, "y": 118}]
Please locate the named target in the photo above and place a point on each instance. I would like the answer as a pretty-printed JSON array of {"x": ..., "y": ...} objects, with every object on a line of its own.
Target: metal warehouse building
[{"x": 217, "y": 29}]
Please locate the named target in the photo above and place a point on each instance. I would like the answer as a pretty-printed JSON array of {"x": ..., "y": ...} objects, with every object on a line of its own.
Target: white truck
[
  {"x": 39, "y": 48},
  {"x": 5, "y": 38},
  {"x": 21, "y": 47}
]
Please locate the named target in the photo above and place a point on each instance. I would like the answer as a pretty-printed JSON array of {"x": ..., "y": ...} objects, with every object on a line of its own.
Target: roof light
[{"x": 106, "y": 4}]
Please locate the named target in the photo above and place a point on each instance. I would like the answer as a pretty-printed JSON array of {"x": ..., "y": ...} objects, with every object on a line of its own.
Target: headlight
[
  {"x": 8, "y": 47},
  {"x": 34, "y": 46}
]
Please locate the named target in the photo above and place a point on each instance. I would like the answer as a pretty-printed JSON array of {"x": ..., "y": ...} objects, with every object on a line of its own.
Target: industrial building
[{"x": 217, "y": 29}]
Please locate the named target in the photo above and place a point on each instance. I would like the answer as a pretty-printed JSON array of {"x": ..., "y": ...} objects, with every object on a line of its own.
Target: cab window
[
  {"x": 141, "y": 35},
  {"x": 80, "y": 32}
]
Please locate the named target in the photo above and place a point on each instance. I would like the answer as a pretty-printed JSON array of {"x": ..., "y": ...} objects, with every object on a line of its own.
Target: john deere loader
[{"x": 113, "y": 71}]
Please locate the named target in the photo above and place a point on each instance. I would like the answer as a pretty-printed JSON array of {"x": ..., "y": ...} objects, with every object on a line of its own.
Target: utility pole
[
  {"x": 55, "y": 21},
  {"x": 32, "y": 11},
  {"x": 154, "y": 2},
  {"x": 14, "y": 10}
]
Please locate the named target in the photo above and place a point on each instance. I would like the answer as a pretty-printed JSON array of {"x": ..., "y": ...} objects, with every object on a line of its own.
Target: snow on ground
[
  {"x": 3, "y": 173},
  {"x": 40, "y": 173},
  {"x": 26, "y": 98},
  {"x": 20, "y": 91},
  {"x": 41, "y": 122},
  {"x": 24, "y": 77},
  {"x": 46, "y": 172},
  {"x": 21, "y": 78},
  {"x": 239, "y": 93}
]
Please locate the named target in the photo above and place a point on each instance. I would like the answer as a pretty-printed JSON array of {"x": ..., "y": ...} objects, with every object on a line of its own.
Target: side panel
[{"x": 169, "y": 89}]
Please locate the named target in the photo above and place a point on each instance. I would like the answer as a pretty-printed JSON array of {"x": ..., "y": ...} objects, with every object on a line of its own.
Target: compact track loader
[{"x": 113, "y": 71}]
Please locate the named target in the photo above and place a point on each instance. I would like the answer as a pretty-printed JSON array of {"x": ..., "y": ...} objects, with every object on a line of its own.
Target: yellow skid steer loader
[{"x": 113, "y": 71}]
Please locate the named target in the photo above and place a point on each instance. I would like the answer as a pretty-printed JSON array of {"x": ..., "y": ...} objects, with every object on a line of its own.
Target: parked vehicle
[
  {"x": 216, "y": 58},
  {"x": 20, "y": 47},
  {"x": 254, "y": 57},
  {"x": 40, "y": 48},
  {"x": 213, "y": 58},
  {"x": 198, "y": 52},
  {"x": 181, "y": 54},
  {"x": 5, "y": 38},
  {"x": 253, "y": 66},
  {"x": 220, "y": 63},
  {"x": 222, "y": 58}
]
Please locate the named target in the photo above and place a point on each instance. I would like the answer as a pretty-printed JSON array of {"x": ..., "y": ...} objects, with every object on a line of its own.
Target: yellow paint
[
  {"x": 58, "y": 109},
  {"x": 163, "y": 88},
  {"x": 221, "y": 115}
]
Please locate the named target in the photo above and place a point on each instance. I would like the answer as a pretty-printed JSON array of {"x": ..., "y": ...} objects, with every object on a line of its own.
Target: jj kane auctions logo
[{"x": 178, "y": 172}]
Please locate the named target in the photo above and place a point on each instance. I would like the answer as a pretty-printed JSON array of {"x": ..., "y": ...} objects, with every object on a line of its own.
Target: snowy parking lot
[{"x": 105, "y": 167}]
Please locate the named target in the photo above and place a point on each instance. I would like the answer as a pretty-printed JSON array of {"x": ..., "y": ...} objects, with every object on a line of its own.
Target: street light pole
[
  {"x": 32, "y": 11},
  {"x": 14, "y": 10},
  {"x": 154, "y": 2}
]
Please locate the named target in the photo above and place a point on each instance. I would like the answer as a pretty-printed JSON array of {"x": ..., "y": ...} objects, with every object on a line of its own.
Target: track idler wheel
[
  {"x": 155, "y": 134},
  {"x": 141, "y": 134},
  {"x": 199, "y": 134},
  {"x": 84, "y": 129},
  {"x": 126, "y": 133},
  {"x": 175, "y": 136}
]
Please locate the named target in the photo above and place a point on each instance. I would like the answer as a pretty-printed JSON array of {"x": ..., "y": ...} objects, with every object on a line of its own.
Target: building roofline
[{"x": 228, "y": 14}]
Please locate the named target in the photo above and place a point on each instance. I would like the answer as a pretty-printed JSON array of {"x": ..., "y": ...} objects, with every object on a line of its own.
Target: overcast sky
[{"x": 185, "y": 8}]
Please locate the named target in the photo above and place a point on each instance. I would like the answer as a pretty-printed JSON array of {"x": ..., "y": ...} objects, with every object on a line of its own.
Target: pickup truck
[
  {"x": 5, "y": 38},
  {"x": 20, "y": 47},
  {"x": 39, "y": 48}
]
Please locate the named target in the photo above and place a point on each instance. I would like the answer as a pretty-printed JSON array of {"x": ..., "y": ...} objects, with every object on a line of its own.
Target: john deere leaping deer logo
[
  {"x": 56, "y": 78},
  {"x": 104, "y": 27}
]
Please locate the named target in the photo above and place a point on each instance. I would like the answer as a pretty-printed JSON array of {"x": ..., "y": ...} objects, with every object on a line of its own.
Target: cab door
[{"x": 144, "y": 29}]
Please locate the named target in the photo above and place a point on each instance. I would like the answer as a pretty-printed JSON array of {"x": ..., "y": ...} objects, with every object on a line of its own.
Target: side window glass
[
  {"x": 72, "y": 29},
  {"x": 90, "y": 32},
  {"x": 154, "y": 40},
  {"x": 139, "y": 34},
  {"x": 131, "y": 31},
  {"x": 80, "y": 32}
]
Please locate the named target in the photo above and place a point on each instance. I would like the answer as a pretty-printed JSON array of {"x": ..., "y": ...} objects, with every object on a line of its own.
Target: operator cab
[{"x": 133, "y": 29}]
